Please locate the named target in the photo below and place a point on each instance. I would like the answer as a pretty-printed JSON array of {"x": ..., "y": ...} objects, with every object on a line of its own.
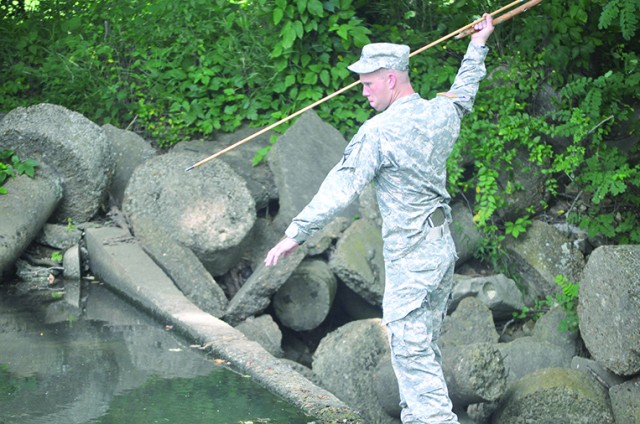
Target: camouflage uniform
[{"x": 403, "y": 150}]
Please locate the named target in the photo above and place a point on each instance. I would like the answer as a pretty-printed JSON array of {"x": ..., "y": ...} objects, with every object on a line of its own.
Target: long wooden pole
[{"x": 460, "y": 33}]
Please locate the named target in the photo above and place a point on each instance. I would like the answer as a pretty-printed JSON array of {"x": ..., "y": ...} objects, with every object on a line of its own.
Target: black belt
[{"x": 437, "y": 218}]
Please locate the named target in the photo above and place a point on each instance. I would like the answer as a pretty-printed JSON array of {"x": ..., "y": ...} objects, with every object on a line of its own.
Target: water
[{"x": 111, "y": 363}]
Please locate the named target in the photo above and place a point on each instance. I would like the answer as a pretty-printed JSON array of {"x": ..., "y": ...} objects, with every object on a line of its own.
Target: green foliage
[
  {"x": 625, "y": 12},
  {"x": 180, "y": 70},
  {"x": 566, "y": 298},
  {"x": 70, "y": 225},
  {"x": 518, "y": 227},
  {"x": 56, "y": 256},
  {"x": 572, "y": 139},
  {"x": 11, "y": 166}
]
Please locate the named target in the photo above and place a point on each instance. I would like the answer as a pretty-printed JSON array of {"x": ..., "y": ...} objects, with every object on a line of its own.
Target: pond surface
[{"x": 110, "y": 363}]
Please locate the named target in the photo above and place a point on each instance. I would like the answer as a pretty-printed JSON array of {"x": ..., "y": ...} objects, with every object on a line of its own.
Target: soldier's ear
[{"x": 392, "y": 79}]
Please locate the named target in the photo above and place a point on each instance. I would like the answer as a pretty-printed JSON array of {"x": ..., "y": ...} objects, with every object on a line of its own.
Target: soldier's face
[{"x": 376, "y": 87}]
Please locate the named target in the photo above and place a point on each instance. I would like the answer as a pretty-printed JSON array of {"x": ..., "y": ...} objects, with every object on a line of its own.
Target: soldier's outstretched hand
[
  {"x": 283, "y": 249},
  {"x": 483, "y": 30}
]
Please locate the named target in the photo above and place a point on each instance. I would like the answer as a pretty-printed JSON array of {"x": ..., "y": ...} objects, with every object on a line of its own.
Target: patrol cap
[{"x": 381, "y": 55}]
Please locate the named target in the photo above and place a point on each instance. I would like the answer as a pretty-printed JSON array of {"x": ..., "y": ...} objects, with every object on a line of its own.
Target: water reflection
[{"x": 113, "y": 364}]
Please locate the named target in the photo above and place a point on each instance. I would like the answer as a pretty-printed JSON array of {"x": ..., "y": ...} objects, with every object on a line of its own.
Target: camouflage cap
[{"x": 382, "y": 55}]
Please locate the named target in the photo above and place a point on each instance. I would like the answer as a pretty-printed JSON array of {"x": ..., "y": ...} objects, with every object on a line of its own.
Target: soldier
[{"x": 403, "y": 150}]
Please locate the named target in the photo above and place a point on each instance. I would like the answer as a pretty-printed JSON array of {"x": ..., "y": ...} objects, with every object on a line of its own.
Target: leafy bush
[{"x": 180, "y": 70}]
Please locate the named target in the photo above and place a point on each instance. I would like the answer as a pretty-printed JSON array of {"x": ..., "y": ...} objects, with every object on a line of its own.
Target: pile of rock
[{"x": 319, "y": 310}]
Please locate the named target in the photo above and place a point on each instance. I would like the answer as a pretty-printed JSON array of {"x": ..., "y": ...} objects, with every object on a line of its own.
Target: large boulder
[
  {"x": 76, "y": 148},
  {"x": 527, "y": 354},
  {"x": 24, "y": 210},
  {"x": 208, "y": 210},
  {"x": 555, "y": 395},
  {"x": 549, "y": 328},
  {"x": 474, "y": 373},
  {"x": 608, "y": 307},
  {"x": 540, "y": 256},
  {"x": 300, "y": 160},
  {"x": 129, "y": 150},
  {"x": 471, "y": 322},
  {"x": 347, "y": 363},
  {"x": 260, "y": 181},
  {"x": 625, "y": 402},
  {"x": 358, "y": 261}
]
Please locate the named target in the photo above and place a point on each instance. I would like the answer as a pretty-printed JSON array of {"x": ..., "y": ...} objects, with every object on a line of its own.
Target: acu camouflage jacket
[{"x": 403, "y": 150}]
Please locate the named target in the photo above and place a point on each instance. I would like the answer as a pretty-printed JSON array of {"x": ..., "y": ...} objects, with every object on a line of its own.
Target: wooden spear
[{"x": 459, "y": 33}]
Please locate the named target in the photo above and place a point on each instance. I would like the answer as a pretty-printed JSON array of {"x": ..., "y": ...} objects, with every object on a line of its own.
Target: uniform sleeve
[
  {"x": 465, "y": 86},
  {"x": 359, "y": 165}
]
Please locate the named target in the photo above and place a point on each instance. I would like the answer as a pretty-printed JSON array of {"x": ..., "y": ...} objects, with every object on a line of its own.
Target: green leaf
[
  {"x": 277, "y": 15},
  {"x": 299, "y": 29},
  {"x": 315, "y": 8},
  {"x": 288, "y": 35},
  {"x": 325, "y": 78},
  {"x": 302, "y": 6}
]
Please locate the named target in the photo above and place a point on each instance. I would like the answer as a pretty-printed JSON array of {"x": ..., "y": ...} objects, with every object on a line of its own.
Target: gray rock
[
  {"x": 259, "y": 179},
  {"x": 330, "y": 233},
  {"x": 255, "y": 294},
  {"x": 608, "y": 308},
  {"x": 208, "y": 210},
  {"x": 480, "y": 413},
  {"x": 528, "y": 354},
  {"x": 71, "y": 263},
  {"x": 130, "y": 150},
  {"x": 75, "y": 147},
  {"x": 305, "y": 371},
  {"x": 265, "y": 331},
  {"x": 471, "y": 322},
  {"x": 346, "y": 361},
  {"x": 59, "y": 236},
  {"x": 24, "y": 210},
  {"x": 474, "y": 373},
  {"x": 386, "y": 387},
  {"x": 354, "y": 305},
  {"x": 540, "y": 256},
  {"x": 497, "y": 292},
  {"x": 625, "y": 402},
  {"x": 548, "y": 329},
  {"x": 597, "y": 371},
  {"x": 358, "y": 261},
  {"x": 303, "y": 302},
  {"x": 465, "y": 235},
  {"x": 300, "y": 161},
  {"x": 555, "y": 395}
]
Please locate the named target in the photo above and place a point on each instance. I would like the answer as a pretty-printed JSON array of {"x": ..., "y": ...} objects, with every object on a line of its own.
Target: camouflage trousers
[{"x": 415, "y": 356}]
